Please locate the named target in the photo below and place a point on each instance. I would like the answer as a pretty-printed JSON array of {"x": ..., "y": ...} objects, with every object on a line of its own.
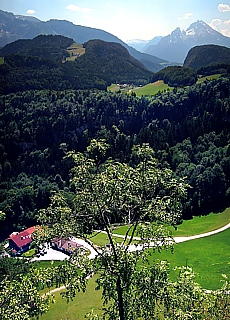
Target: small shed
[{"x": 65, "y": 245}]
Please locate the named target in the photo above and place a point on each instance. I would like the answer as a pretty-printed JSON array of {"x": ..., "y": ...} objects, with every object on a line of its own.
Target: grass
[
  {"x": 1, "y": 60},
  {"x": 75, "y": 50},
  {"x": 197, "y": 225},
  {"x": 113, "y": 88},
  {"x": 147, "y": 90},
  {"x": 211, "y": 77},
  {"x": 152, "y": 88},
  {"x": 202, "y": 224},
  {"x": 209, "y": 257},
  {"x": 101, "y": 239},
  {"x": 78, "y": 307}
]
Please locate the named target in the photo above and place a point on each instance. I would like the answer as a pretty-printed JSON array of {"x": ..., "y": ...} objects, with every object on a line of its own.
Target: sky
[{"x": 128, "y": 19}]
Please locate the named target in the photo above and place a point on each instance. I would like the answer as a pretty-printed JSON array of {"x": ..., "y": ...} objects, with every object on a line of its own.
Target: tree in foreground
[{"x": 147, "y": 198}]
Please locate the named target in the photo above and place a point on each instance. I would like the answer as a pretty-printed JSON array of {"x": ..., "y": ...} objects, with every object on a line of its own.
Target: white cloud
[
  {"x": 223, "y": 7},
  {"x": 225, "y": 32},
  {"x": 221, "y": 26},
  {"x": 72, "y": 7},
  {"x": 186, "y": 16},
  {"x": 30, "y": 11},
  {"x": 215, "y": 22}
]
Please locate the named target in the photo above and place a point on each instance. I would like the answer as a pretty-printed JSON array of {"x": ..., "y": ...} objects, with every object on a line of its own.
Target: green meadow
[
  {"x": 211, "y": 77},
  {"x": 197, "y": 225},
  {"x": 152, "y": 89},
  {"x": 77, "y": 308},
  {"x": 209, "y": 257},
  {"x": 147, "y": 90}
]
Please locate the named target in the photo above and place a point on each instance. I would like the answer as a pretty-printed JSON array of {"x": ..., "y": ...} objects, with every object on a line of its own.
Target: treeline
[
  {"x": 221, "y": 68},
  {"x": 37, "y": 64},
  {"x": 176, "y": 76},
  {"x": 188, "y": 129}
]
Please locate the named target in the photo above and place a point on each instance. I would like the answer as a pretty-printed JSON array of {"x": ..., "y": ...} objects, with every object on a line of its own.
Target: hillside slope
[
  {"x": 37, "y": 64},
  {"x": 201, "y": 56},
  {"x": 22, "y": 27}
]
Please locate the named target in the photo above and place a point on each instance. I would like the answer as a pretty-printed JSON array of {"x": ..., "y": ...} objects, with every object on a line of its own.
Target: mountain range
[
  {"x": 14, "y": 27},
  {"x": 48, "y": 62},
  {"x": 175, "y": 46},
  {"x": 156, "y": 54}
]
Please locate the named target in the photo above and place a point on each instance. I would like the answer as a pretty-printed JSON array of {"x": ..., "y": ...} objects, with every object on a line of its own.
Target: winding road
[{"x": 93, "y": 253}]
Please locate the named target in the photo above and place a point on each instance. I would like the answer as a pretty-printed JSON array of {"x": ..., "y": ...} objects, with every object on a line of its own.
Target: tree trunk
[{"x": 120, "y": 299}]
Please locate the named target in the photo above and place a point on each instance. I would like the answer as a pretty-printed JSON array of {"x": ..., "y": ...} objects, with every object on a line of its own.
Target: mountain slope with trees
[
  {"x": 188, "y": 129},
  {"x": 201, "y": 56},
  {"x": 176, "y": 76},
  {"x": 38, "y": 65},
  {"x": 16, "y": 27}
]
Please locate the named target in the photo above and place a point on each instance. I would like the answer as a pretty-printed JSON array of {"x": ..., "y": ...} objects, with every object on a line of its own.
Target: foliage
[
  {"x": 202, "y": 56},
  {"x": 19, "y": 286},
  {"x": 111, "y": 191},
  {"x": 37, "y": 64},
  {"x": 222, "y": 68},
  {"x": 188, "y": 129},
  {"x": 43, "y": 46},
  {"x": 176, "y": 76}
]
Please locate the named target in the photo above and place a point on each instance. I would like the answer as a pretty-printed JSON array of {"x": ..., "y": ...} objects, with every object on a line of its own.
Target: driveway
[{"x": 51, "y": 254}]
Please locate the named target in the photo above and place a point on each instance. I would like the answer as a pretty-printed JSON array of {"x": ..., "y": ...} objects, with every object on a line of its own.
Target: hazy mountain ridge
[
  {"x": 142, "y": 45},
  {"x": 13, "y": 28},
  {"x": 175, "y": 46}
]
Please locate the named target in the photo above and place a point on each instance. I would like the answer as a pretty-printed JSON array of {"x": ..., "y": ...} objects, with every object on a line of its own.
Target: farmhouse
[
  {"x": 20, "y": 242},
  {"x": 65, "y": 245}
]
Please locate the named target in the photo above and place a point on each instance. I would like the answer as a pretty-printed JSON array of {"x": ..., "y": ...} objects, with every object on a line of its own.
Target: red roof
[{"x": 22, "y": 238}]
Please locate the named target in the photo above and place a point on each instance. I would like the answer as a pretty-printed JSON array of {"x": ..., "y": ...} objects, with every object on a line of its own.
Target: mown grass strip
[
  {"x": 209, "y": 257},
  {"x": 152, "y": 89},
  {"x": 78, "y": 307},
  {"x": 197, "y": 225}
]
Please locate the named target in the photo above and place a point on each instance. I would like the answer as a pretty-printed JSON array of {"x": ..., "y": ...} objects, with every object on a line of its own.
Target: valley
[{"x": 118, "y": 149}]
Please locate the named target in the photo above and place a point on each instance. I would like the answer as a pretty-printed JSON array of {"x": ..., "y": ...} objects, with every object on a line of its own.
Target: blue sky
[{"x": 128, "y": 19}]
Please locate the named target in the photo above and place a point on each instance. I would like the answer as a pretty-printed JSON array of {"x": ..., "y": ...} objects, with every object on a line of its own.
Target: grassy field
[
  {"x": 211, "y": 77},
  {"x": 147, "y": 90},
  {"x": 203, "y": 224},
  {"x": 152, "y": 89},
  {"x": 78, "y": 307},
  {"x": 197, "y": 225},
  {"x": 101, "y": 239},
  {"x": 75, "y": 50},
  {"x": 209, "y": 257}
]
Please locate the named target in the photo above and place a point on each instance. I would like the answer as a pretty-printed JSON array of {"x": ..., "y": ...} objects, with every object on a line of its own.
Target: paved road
[
  {"x": 57, "y": 255},
  {"x": 182, "y": 239}
]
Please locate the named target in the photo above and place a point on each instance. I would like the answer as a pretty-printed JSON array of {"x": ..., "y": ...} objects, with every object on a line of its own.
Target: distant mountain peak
[{"x": 176, "y": 45}]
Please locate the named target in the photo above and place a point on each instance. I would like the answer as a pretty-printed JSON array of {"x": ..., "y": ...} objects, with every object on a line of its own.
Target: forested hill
[
  {"x": 188, "y": 129},
  {"x": 37, "y": 64},
  {"x": 201, "y": 56},
  {"x": 46, "y": 47},
  {"x": 27, "y": 27}
]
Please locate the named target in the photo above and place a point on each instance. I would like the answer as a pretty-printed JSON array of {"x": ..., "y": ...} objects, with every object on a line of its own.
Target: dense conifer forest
[{"x": 188, "y": 129}]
